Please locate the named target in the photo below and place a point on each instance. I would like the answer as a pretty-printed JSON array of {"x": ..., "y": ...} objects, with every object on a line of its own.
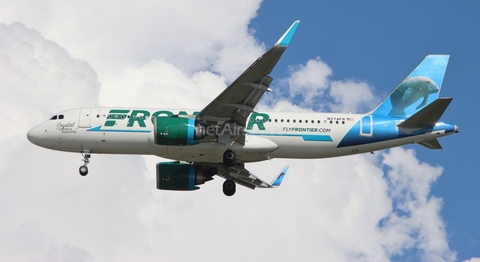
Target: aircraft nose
[
  {"x": 33, "y": 135},
  {"x": 456, "y": 129}
]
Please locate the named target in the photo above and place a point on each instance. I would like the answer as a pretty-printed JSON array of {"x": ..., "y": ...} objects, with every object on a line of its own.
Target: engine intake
[
  {"x": 174, "y": 131},
  {"x": 182, "y": 176}
]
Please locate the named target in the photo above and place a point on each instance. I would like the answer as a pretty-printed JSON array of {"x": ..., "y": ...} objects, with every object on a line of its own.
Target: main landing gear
[
  {"x": 229, "y": 159},
  {"x": 229, "y": 187},
  {"x": 83, "y": 170}
]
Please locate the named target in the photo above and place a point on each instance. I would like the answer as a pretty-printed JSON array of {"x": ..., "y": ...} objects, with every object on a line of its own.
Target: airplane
[{"x": 228, "y": 133}]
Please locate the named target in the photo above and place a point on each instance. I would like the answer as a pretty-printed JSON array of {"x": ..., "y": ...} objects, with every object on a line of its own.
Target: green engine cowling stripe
[{"x": 175, "y": 131}]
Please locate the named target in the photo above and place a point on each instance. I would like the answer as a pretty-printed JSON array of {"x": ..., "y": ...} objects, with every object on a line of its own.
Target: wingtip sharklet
[
  {"x": 278, "y": 180},
  {"x": 287, "y": 36}
]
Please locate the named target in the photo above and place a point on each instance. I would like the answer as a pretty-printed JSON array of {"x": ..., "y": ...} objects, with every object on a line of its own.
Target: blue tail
[{"x": 420, "y": 88}]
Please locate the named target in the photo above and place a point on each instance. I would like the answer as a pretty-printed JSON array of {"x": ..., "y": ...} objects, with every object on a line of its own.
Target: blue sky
[
  {"x": 380, "y": 43},
  {"x": 404, "y": 204}
]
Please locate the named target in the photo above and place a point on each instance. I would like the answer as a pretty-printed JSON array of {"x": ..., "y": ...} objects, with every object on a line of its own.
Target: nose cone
[
  {"x": 34, "y": 135},
  {"x": 456, "y": 129}
]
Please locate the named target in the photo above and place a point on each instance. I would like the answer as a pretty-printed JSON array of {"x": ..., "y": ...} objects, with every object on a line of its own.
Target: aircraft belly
[
  {"x": 113, "y": 143},
  {"x": 296, "y": 147},
  {"x": 255, "y": 149}
]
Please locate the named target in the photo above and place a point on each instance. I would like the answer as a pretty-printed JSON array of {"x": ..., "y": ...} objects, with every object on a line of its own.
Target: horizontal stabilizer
[
  {"x": 428, "y": 116},
  {"x": 430, "y": 144}
]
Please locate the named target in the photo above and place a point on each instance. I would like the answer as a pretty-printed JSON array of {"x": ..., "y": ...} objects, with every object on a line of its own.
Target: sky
[{"x": 403, "y": 204}]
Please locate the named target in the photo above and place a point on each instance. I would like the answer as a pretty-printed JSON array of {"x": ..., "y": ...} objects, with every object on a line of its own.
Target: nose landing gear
[{"x": 83, "y": 170}]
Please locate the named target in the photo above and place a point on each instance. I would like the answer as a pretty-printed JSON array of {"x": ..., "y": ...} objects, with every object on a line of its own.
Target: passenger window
[
  {"x": 288, "y": 120},
  {"x": 313, "y": 121},
  {"x": 275, "y": 120},
  {"x": 299, "y": 121},
  {"x": 294, "y": 120},
  {"x": 281, "y": 120}
]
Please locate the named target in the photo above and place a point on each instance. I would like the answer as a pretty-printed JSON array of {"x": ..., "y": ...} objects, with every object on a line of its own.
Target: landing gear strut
[
  {"x": 229, "y": 187},
  {"x": 229, "y": 158},
  {"x": 83, "y": 170}
]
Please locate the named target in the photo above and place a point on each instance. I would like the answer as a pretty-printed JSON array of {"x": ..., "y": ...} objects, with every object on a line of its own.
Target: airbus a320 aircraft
[{"x": 220, "y": 138}]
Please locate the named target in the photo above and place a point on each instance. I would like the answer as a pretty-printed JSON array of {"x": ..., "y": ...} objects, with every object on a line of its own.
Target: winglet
[
  {"x": 278, "y": 180},
  {"x": 287, "y": 36}
]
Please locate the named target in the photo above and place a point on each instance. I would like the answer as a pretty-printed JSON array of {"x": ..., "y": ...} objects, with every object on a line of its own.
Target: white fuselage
[{"x": 268, "y": 135}]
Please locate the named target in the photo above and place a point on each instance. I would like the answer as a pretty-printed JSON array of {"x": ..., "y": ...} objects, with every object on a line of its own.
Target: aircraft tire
[
  {"x": 229, "y": 187},
  {"x": 229, "y": 158},
  {"x": 83, "y": 170}
]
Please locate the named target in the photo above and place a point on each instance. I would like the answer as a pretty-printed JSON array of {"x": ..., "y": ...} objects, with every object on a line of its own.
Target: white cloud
[
  {"x": 309, "y": 81},
  {"x": 363, "y": 207},
  {"x": 311, "y": 86},
  {"x": 351, "y": 96},
  {"x": 156, "y": 82},
  {"x": 192, "y": 35},
  {"x": 473, "y": 259}
]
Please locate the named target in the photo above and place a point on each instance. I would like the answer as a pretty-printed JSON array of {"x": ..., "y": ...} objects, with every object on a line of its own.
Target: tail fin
[{"x": 420, "y": 88}]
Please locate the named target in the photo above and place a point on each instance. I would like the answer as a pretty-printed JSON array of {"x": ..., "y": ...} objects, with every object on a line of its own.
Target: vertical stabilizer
[{"x": 420, "y": 88}]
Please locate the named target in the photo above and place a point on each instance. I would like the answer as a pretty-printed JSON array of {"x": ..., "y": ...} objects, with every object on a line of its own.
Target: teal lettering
[
  {"x": 257, "y": 119},
  {"x": 114, "y": 115},
  {"x": 138, "y": 116}
]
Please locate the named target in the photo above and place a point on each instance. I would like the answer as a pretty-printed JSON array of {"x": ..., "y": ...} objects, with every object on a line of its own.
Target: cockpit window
[
  {"x": 53, "y": 117},
  {"x": 60, "y": 116}
]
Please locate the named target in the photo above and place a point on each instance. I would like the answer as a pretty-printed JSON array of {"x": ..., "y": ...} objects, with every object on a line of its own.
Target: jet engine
[
  {"x": 182, "y": 176},
  {"x": 175, "y": 131}
]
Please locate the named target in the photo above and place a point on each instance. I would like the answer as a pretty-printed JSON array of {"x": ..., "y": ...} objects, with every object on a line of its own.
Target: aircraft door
[
  {"x": 366, "y": 126},
  {"x": 84, "y": 120}
]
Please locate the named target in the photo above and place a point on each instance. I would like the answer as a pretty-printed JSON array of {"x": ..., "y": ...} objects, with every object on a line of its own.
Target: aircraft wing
[
  {"x": 243, "y": 177},
  {"x": 239, "y": 99}
]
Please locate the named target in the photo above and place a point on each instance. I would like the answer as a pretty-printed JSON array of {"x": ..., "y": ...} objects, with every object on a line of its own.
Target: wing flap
[{"x": 242, "y": 176}]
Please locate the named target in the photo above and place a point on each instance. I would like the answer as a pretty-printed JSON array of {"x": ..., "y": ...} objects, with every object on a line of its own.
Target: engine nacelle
[
  {"x": 182, "y": 176},
  {"x": 175, "y": 131}
]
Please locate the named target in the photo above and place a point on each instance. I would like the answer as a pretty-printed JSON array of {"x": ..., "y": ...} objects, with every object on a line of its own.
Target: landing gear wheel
[
  {"x": 83, "y": 170},
  {"x": 229, "y": 158},
  {"x": 229, "y": 187}
]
